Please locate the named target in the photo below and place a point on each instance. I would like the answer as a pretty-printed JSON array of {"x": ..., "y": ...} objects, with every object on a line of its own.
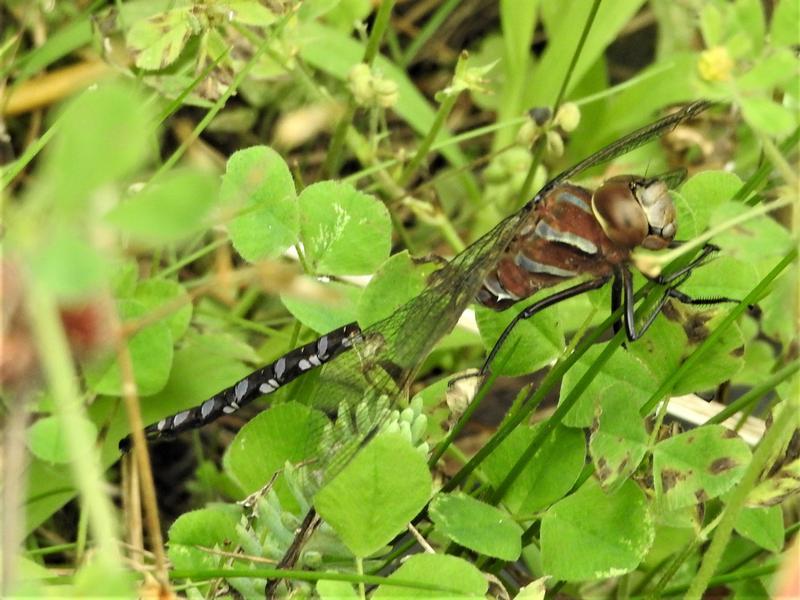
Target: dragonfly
[{"x": 564, "y": 232}]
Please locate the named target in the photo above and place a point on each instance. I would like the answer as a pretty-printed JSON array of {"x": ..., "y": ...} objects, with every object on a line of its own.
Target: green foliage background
[{"x": 176, "y": 235}]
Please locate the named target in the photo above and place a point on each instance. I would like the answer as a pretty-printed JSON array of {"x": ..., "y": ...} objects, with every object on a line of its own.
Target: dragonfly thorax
[{"x": 634, "y": 211}]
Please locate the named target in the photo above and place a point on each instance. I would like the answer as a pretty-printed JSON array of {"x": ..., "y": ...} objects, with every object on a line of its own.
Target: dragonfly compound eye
[
  {"x": 619, "y": 212},
  {"x": 660, "y": 213}
]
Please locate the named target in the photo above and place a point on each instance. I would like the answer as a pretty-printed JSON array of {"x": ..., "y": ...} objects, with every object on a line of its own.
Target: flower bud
[
  {"x": 385, "y": 92},
  {"x": 360, "y": 83},
  {"x": 555, "y": 145},
  {"x": 715, "y": 64},
  {"x": 568, "y": 116}
]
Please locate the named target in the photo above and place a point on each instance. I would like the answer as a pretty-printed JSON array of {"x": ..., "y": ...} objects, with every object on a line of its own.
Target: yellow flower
[{"x": 715, "y": 64}]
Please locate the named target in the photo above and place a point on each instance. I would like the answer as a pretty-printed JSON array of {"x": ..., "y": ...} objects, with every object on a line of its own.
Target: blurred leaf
[
  {"x": 773, "y": 306},
  {"x": 536, "y": 590},
  {"x": 397, "y": 281},
  {"x": 764, "y": 526},
  {"x": 437, "y": 570},
  {"x": 258, "y": 185},
  {"x": 94, "y": 576},
  {"x": 155, "y": 294},
  {"x": 618, "y": 441},
  {"x": 532, "y": 344},
  {"x": 749, "y": 589},
  {"x": 285, "y": 432},
  {"x": 327, "y": 313},
  {"x": 209, "y": 527},
  {"x": 344, "y": 231},
  {"x": 367, "y": 503},
  {"x": 723, "y": 359},
  {"x": 711, "y": 25},
  {"x": 248, "y": 12},
  {"x": 759, "y": 242},
  {"x": 169, "y": 210},
  {"x": 768, "y": 117},
  {"x": 776, "y": 70},
  {"x": 777, "y": 487},
  {"x": 158, "y": 40},
  {"x": 47, "y": 438},
  {"x": 476, "y": 526},
  {"x": 69, "y": 266},
  {"x": 564, "y": 28},
  {"x": 122, "y": 276},
  {"x": 723, "y": 277},
  {"x": 103, "y": 138},
  {"x": 750, "y": 19},
  {"x": 151, "y": 354},
  {"x": 704, "y": 193},
  {"x": 785, "y": 17},
  {"x": 346, "y": 12},
  {"x": 549, "y": 475},
  {"x": 698, "y": 465},
  {"x": 591, "y": 535},
  {"x": 335, "y": 590}
]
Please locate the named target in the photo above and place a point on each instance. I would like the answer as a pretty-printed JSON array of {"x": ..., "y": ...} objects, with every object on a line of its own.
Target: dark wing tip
[{"x": 125, "y": 444}]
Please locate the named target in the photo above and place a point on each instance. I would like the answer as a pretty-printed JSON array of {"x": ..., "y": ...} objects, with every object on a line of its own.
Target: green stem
[
  {"x": 782, "y": 427},
  {"x": 362, "y": 592},
  {"x": 427, "y": 32},
  {"x": 301, "y": 575},
  {"x": 333, "y": 157},
  {"x": 444, "y": 110},
  {"x": 440, "y": 448},
  {"x": 57, "y": 365},
  {"x": 757, "y": 392},
  {"x": 525, "y": 191},
  {"x": 533, "y": 400},
  {"x": 691, "y": 361},
  {"x": 186, "y": 260},
  {"x": 212, "y": 112},
  {"x": 742, "y": 575}
]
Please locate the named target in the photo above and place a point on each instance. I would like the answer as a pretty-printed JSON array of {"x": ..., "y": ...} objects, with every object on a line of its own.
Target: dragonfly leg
[
  {"x": 699, "y": 260},
  {"x": 671, "y": 292},
  {"x": 534, "y": 308},
  {"x": 616, "y": 301}
]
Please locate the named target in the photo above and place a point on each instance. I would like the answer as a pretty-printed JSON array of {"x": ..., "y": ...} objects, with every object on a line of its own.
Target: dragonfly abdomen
[
  {"x": 259, "y": 383},
  {"x": 561, "y": 240}
]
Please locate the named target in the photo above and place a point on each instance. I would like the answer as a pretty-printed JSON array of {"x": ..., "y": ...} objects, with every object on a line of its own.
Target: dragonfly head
[{"x": 634, "y": 211}]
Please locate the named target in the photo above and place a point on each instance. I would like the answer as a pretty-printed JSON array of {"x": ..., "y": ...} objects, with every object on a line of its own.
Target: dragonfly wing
[
  {"x": 360, "y": 388},
  {"x": 626, "y": 144}
]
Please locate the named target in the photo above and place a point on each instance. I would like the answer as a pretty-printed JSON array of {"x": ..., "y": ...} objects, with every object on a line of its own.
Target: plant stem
[
  {"x": 782, "y": 427},
  {"x": 431, "y": 26},
  {"x": 691, "y": 361},
  {"x": 57, "y": 365},
  {"x": 444, "y": 110},
  {"x": 334, "y": 155},
  {"x": 757, "y": 392},
  {"x": 130, "y": 396},
  {"x": 525, "y": 191}
]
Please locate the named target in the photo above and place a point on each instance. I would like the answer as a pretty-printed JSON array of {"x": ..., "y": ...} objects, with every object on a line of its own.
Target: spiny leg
[
  {"x": 671, "y": 292},
  {"x": 697, "y": 261}
]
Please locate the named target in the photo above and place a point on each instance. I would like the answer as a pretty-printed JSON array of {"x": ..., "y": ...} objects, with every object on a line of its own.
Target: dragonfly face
[{"x": 634, "y": 211}]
